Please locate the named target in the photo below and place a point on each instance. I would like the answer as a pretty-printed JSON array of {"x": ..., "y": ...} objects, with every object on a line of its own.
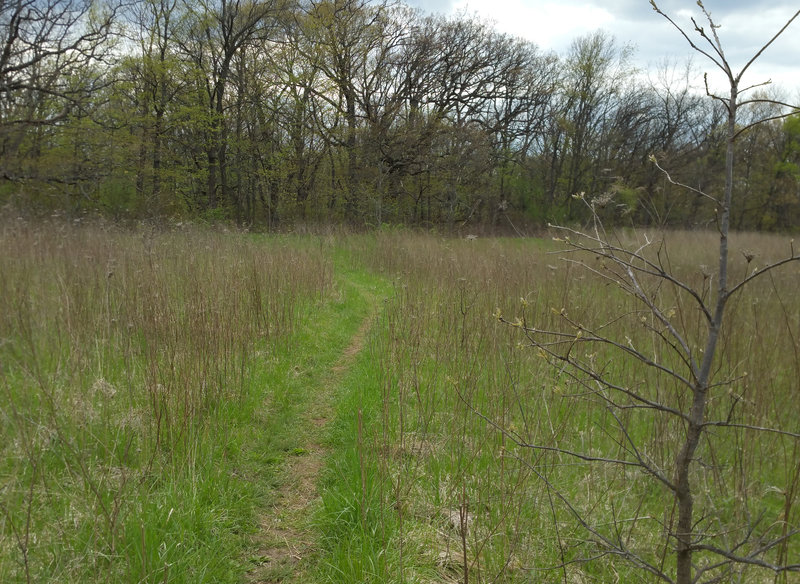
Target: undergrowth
[
  {"x": 151, "y": 382},
  {"x": 132, "y": 375}
]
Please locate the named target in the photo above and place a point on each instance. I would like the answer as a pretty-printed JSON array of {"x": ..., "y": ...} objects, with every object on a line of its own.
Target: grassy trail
[
  {"x": 286, "y": 545},
  {"x": 203, "y": 407}
]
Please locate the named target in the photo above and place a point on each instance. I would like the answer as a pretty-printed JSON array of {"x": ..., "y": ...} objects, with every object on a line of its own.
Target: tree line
[{"x": 366, "y": 112}]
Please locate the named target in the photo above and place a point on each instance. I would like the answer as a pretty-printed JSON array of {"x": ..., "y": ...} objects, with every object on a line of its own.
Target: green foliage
[
  {"x": 117, "y": 197},
  {"x": 789, "y": 165},
  {"x": 457, "y": 126}
]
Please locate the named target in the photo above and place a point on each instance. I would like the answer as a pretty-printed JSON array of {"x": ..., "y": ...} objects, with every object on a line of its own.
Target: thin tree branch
[
  {"x": 762, "y": 271},
  {"x": 766, "y": 46},
  {"x": 686, "y": 36},
  {"x": 721, "y": 424},
  {"x": 761, "y": 121},
  {"x": 680, "y": 184}
]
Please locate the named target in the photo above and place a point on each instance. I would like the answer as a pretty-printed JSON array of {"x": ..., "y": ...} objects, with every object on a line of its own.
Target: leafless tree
[
  {"x": 47, "y": 48},
  {"x": 219, "y": 31},
  {"x": 684, "y": 358}
]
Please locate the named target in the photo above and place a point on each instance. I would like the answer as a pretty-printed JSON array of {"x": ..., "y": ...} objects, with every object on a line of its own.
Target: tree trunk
[
  {"x": 683, "y": 492},
  {"x": 350, "y": 195}
]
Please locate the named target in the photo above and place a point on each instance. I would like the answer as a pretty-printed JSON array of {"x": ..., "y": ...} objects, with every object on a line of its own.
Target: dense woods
[{"x": 277, "y": 113}]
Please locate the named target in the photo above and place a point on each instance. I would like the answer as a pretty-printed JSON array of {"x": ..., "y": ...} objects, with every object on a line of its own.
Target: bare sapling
[{"x": 660, "y": 364}]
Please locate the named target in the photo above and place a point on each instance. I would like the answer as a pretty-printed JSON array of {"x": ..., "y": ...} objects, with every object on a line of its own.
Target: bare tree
[
  {"x": 158, "y": 80},
  {"x": 219, "y": 31},
  {"x": 682, "y": 356},
  {"x": 348, "y": 43},
  {"x": 46, "y": 50}
]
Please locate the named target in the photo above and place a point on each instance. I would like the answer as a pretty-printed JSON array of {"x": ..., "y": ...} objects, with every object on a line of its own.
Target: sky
[{"x": 746, "y": 25}]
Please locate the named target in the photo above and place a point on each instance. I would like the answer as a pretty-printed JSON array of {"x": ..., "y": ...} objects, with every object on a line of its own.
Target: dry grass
[
  {"x": 128, "y": 366},
  {"x": 129, "y": 363},
  {"x": 466, "y": 394}
]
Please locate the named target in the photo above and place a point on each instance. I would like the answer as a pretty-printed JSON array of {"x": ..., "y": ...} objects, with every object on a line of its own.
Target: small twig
[{"x": 680, "y": 184}]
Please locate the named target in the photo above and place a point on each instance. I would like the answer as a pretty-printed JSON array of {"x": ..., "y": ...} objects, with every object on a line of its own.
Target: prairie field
[{"x": 202, "y": 405}]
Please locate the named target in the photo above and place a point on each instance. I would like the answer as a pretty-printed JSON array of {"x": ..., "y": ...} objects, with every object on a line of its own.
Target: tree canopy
[{"x": 365, "y": 112}]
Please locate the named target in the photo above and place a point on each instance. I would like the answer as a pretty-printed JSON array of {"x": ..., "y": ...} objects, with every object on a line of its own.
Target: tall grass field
[{"x": 150, "y": 383}]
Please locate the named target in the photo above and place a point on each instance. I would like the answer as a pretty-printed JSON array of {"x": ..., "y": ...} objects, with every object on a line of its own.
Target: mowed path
[{"x": 286, "y": 541}]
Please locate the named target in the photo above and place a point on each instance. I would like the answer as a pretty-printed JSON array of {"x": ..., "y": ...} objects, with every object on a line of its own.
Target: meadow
[{"x": 156, "y": 384}]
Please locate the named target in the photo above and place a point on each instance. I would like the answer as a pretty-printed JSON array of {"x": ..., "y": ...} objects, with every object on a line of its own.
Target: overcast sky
[{"x": 745, "y": 26}]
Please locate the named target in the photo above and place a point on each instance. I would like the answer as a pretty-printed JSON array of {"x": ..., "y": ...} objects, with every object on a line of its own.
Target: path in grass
[{"x": 286, "y": 540}]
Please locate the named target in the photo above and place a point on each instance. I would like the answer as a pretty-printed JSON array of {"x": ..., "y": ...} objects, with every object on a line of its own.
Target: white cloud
[
  {"x": 551, "y": 25},
  {"x": 745, "y": 27}
]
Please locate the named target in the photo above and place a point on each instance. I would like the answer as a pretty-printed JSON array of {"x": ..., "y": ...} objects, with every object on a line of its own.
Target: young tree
[
  {"x": 153, "y": 81},
  {"x": 686, "y": 379}
]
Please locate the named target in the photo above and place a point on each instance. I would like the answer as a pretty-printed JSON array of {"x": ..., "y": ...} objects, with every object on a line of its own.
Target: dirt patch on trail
[
  {"x": 285, "y": 538},
  {"x": 354, "y": 348}
]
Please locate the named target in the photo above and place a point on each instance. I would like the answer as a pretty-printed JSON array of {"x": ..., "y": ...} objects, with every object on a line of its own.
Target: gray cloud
[{"x": 745, "y": 26}]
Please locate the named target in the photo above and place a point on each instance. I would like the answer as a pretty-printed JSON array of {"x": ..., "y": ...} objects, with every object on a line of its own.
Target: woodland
[{"x": 280, "y": 113}]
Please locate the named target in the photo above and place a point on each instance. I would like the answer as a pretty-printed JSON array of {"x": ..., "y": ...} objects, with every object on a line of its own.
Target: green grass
[
  {"x": 155, "y": 387},
  {"x": 135, "y": 368},
  {"x": 361, "y": 537},
  {"x": 467, "y": 394}
]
